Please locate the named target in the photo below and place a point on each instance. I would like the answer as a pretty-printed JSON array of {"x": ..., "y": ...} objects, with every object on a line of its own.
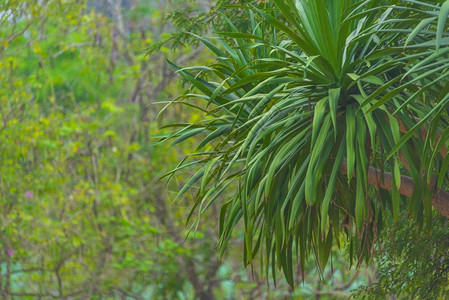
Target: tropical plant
[{"x": 328, "y": 117}]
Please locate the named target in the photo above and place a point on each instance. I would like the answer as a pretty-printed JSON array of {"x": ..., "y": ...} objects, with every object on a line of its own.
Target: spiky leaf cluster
[{"x": 302, "y": 105}]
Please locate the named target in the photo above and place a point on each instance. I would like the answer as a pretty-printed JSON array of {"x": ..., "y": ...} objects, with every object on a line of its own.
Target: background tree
[{"x": 82, "y": 213}]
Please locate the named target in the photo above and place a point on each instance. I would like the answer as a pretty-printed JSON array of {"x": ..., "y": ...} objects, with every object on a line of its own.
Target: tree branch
[{"x": 440, "y": 200}]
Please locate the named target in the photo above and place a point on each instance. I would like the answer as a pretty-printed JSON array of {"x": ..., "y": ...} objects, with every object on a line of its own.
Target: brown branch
[
  {"x": 441, "y": 197},
  {"x": 129, "y": 294},
  {"x": 440, "y": 200},
  {"x": 67, "y": 48},
  {"x": 17, "y": 34}
]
